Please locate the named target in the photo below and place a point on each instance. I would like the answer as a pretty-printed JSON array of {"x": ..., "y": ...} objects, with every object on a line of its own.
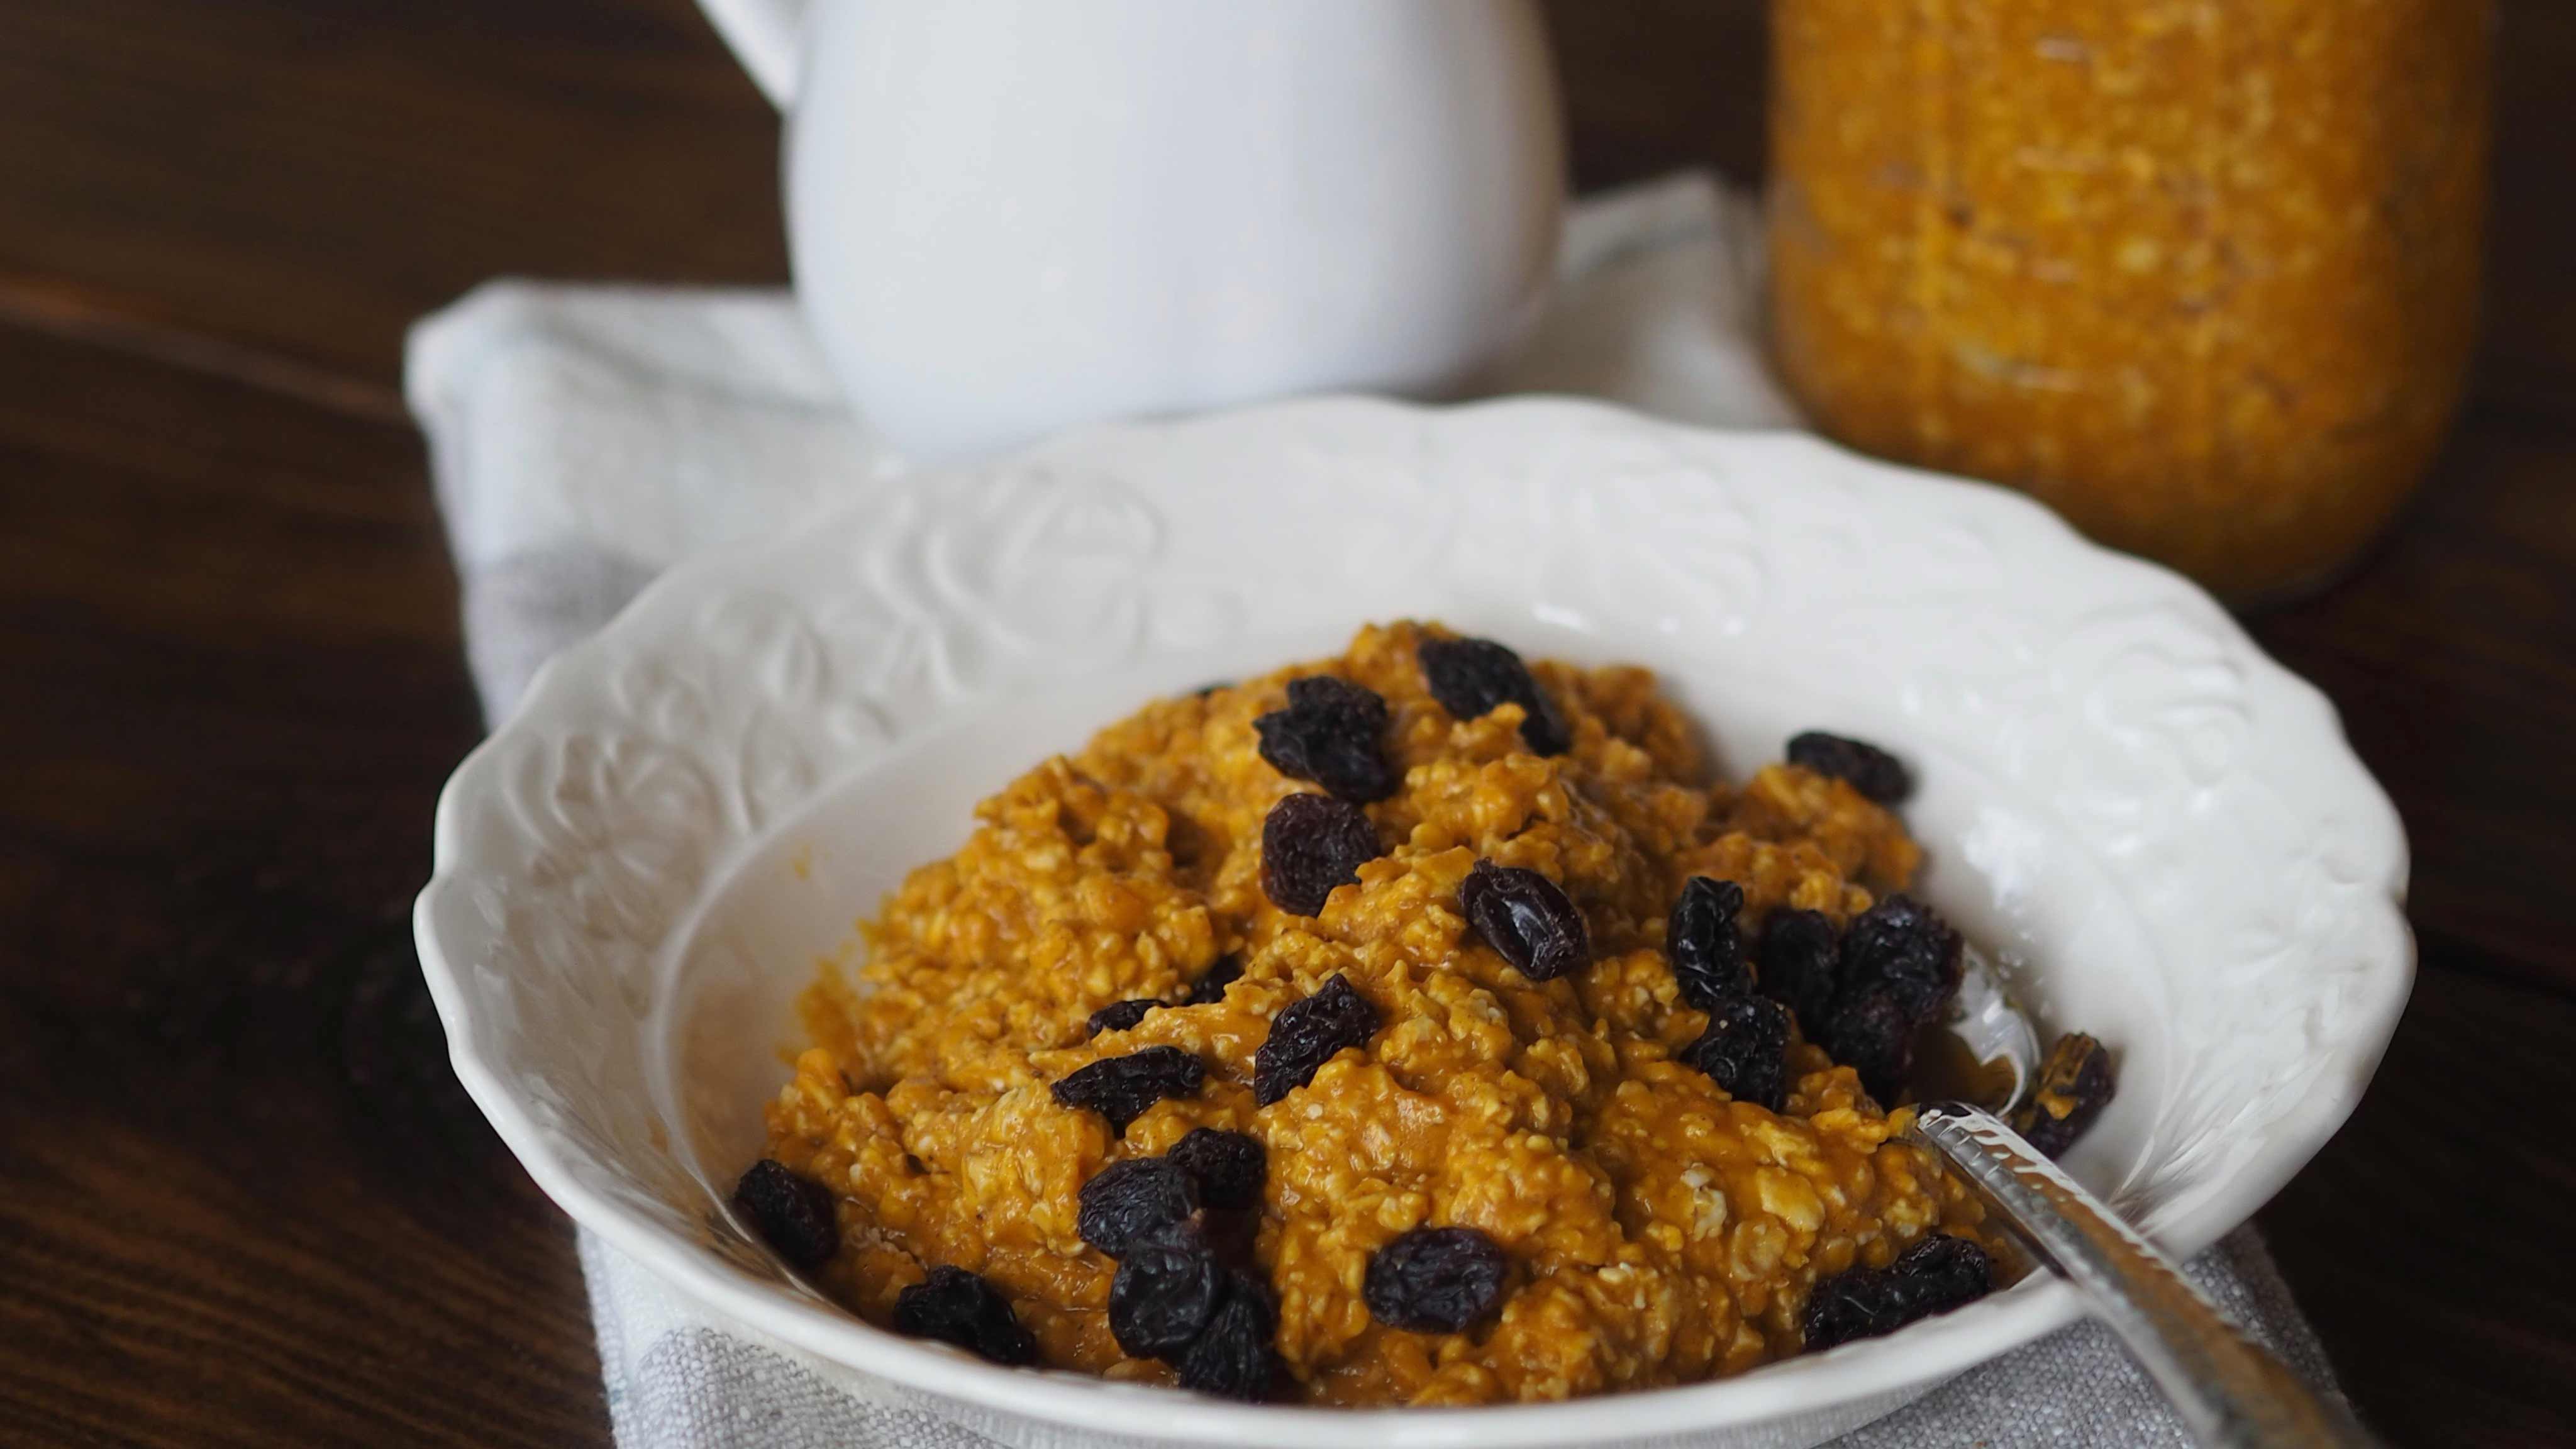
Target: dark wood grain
[
  {"x": 307, "y": 176},
  {"x": 2527, "y": 363},
  {"x": 242, "y": 1201},
  {"x": 1652, "y": 85},
  {"x": 2426, "y": 1250},
  {"x": 2452, "y": 655}
]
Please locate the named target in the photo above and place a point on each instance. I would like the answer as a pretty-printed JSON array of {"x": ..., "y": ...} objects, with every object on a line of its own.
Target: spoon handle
[{"x": 2229, "y": 1391}]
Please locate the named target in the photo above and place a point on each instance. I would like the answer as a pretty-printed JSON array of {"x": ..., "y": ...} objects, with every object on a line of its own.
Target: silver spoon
[{"x": 2230, "y": 1392}]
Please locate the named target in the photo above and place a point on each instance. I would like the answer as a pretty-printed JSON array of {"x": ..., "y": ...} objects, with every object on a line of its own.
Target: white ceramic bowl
[{"x": 2119, "y": 792}]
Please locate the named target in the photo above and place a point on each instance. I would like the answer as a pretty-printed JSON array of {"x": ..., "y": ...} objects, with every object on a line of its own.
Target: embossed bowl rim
[{"x": 458, "y": 953}]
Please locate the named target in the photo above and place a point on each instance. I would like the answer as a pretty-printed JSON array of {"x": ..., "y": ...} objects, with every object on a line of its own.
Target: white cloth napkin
[{"x": 582, "y": 437}]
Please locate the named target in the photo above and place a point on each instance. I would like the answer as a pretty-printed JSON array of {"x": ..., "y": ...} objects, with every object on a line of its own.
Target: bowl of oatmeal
[
  {"x": 1030, "y": 949},
  {"x": 1413, "y": 1026}
]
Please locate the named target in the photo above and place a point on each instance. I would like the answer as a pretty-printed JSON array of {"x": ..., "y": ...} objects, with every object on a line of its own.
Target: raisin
[
  {"x": 1526, "y": 919},
  {"x": 1210, "y": 987},
  {"x": 1121, "y": 1088},
  {"x": 2074, "y": 1086},
  {"x": 1934, "y": 1276},
  {"x": 1801, "y": 965},
  {"x": 1120, "y": 1015},
  {"x": 792, "y": 1214},
  {"x": 1309, "y": 845},
  {"x": 1229, "y": 1167},
  {"x": 1745, "y": 1049},
  {"x": 1899, "y": 968},
  {"x": 1131, "y": 1197},
  {"x": 1333, "y": 732},
  {"x": 1435, "y": 1280},
  {"x": 1306, "y": 1034},
  {"x": 1872, "y": 1035},
  {"x": 1902, "y": 947},
  {"x": 1167, "y": 1288},
  {"x": 1471, "y": 676},
  {"x": 1875, "y": 773},
  {"x": 1233, "y": 1357},
  {"x": 1234, "y": 1236},
  {"x": 1701, "y": 939},
  {"x": 955, "y": 1306}
]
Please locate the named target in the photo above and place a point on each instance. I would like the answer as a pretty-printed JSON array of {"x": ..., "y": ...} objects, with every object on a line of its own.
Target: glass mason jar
[{"x": 2201, "y": 274}]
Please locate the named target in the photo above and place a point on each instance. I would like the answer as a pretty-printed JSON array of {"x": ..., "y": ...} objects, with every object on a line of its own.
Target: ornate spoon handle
[{"x": 2229, "y": 1391}]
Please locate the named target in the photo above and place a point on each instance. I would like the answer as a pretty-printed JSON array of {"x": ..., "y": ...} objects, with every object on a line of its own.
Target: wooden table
[{"x": 241, "y": 1199}]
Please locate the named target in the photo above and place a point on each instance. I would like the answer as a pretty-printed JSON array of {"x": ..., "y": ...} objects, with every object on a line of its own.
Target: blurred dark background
[{"x": 241, "y": 1199}]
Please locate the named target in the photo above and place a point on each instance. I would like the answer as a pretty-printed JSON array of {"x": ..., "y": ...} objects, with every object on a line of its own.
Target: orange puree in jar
[{"x": 2201, "y": 274}]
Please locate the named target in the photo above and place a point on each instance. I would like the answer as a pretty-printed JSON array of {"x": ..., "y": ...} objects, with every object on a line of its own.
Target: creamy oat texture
[
  {"x": 2202, "y": 276},
  {"x": 1659, "y": 1232}
]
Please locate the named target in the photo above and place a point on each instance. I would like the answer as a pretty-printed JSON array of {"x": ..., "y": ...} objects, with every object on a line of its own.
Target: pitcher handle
[{"x": 767, "y": 36}]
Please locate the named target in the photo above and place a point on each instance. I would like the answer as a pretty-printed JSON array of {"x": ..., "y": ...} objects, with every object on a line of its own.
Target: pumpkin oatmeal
[
  {"x": 2201, "y": 276},
  {"x": 1526, "y": 1108}
]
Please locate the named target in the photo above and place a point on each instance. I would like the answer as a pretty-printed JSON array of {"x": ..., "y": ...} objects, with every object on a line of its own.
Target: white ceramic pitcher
[{"x": 1010, "y": 215}]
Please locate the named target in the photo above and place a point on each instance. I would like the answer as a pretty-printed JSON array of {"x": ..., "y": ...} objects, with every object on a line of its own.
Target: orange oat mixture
[
  {"x": 2203, "y": 276},
  {"x": 1656, "y": 1231}
]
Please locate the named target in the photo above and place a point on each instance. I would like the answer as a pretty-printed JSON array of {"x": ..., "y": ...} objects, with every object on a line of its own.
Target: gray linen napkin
[{"x": 582, "y": 437}]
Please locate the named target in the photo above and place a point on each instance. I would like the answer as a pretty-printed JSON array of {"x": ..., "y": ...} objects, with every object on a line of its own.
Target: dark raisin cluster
[
  {"x": 1865, "y": 996},
  {"x": 2074, "y": 1085},
  {"x": 1874, "y": 1037},
  {"x": 1875, "y": 773},
  {"x": 1526, "y": 919},
  {"x": 1230, "y": 1167},
  {"x": 1233, "y": 1357},
  {"x": 1898, "y": 969},
  {"x": 1130, "y": 1196},
  {"x": 1472, "y": 677},
  {"x": 1745, "y": 1050},
  {"x": 1745, "y": 1046},
  {"x": 1902, "y": 948},
  {"x": 1184, "y": 1291},
  {"x": 792, "y": 1214},
  {"x": 1799, "y": 964},
  {"x": 1309, "y": 845},
  {"x": 1121, "y": 1088},
  {"x": 1934, "y": 1276},
  {"x": 1332, "y": 732},
  {"x": 1166, "y": 1289},
  {"x": 1435, "y": 1280},
  {"x": 1309, "y": 1033},
  {"x": 955, "y": 1306},
  {"x": 1701, "y": 939}
]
